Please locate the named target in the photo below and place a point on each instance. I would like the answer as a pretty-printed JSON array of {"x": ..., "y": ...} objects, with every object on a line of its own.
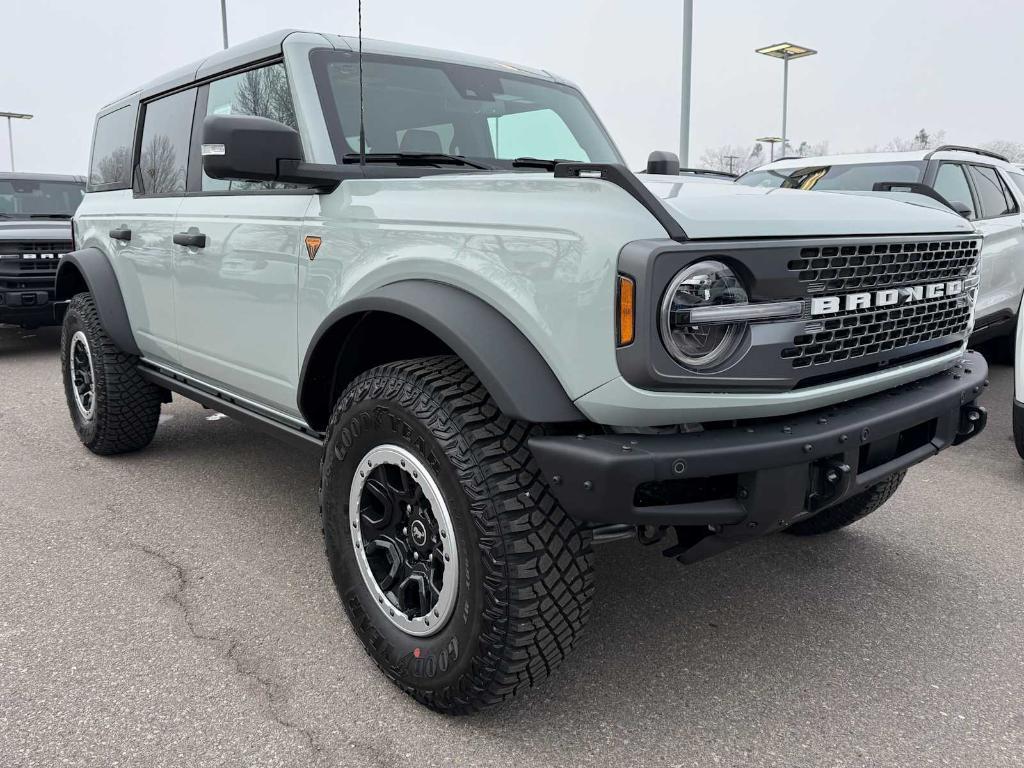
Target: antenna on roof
[{"x": 362, "y": 104}]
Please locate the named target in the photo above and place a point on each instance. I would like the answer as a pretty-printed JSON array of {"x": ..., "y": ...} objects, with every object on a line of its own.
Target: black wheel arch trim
[
  {"x": 98, "y": 275},
  {"x": 506, "y": 362}
]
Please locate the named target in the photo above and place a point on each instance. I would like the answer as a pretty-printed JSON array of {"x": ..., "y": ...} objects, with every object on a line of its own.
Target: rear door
[
  {"x": 127, "y": 228},
  {"x": 1002, "y": 271},
  {"x": 237, "y": 295}
]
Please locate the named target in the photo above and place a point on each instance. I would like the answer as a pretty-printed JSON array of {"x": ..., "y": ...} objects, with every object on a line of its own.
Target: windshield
[
  {"x": 29, "y": 198},
  {"x": 854, "y": 178},
  {"x": 482, "y": 115},
  {"x": 771, "y": 179}
]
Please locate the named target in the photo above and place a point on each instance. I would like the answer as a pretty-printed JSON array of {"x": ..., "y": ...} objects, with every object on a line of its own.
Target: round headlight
[{"x": 701, "y": 345}]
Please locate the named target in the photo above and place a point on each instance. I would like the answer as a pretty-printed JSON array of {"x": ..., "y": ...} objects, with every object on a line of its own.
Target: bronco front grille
[
  {"x": 883, "y": 265},
  {"x": 867, "y": 333},
  {"x": 14, "y": 249}
]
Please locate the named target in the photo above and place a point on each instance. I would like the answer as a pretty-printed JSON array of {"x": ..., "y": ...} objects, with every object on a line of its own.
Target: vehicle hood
[
  {"x": 34, "y": 229},
  {"x": 713, "y": 211}
]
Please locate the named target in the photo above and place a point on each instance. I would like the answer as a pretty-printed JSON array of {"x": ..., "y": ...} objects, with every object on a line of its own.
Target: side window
[
  {"x": 262, "y": 92},
  {"x": 111, "y": 163},
  {"x": 1018, "y": 181},
  {"x": 951, "y": 183},
  {"x": 166, "y": 133},
  {"x": 538, "y": 133},
  {"x": 993, "y": 195}
]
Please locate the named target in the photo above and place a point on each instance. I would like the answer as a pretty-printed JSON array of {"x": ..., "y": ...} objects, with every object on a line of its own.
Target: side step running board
[{"x": 230, "y": 407}]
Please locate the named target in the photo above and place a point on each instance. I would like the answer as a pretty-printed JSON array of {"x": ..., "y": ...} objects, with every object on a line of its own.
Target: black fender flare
[
  {"x": 515, "y": 374},
  {"x": 92, "y": 267}
]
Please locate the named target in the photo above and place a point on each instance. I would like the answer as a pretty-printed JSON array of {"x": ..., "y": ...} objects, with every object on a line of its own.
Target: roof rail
[{"x": 959, "y": 148}]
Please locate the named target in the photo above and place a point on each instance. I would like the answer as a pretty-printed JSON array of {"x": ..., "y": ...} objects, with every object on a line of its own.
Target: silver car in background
[{"x": 983, "y": 186}]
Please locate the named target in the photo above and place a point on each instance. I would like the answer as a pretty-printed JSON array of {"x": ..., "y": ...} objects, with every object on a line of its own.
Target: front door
[{"x": 236, "y": 271}]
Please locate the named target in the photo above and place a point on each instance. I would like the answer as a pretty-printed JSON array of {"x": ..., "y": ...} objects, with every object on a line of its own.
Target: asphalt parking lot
[{"x": 173, "y": 608}]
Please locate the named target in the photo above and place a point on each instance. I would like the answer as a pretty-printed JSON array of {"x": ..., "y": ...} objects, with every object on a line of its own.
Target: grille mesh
[
  {"x": 868, "y": 333},
  {"x": 883, "y": 265},
  {"x": 14, "y": 248}
]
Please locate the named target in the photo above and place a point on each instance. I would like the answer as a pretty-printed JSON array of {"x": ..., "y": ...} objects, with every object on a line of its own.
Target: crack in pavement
[{"x": 247, "y": 668}]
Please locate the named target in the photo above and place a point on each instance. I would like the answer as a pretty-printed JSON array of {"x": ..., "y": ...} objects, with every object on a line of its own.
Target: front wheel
[
  {"x": 462, "y": 576},
  {"x": 850, "y": 511}
]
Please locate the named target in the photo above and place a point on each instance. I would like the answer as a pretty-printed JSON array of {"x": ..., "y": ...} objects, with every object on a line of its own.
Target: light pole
[
  {"x": 732, "y": 159},
  {"x": 10, "y": 133},
  {"x": 787, "y": 52},
  {"x": 772, "y": 141},
  {"x": 224, "y": 20},
  {"x": 684, "y": 112}
]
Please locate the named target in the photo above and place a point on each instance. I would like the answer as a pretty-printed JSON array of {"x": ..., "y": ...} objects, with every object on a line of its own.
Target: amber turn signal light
[{"x": 626, "y": 314}]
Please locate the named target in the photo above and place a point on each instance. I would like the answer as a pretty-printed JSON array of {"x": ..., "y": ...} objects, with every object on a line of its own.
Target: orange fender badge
[{"x": 312, "y": 246}]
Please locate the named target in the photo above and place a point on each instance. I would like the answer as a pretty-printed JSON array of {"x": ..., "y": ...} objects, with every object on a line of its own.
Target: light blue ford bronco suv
[{"x": 437, "y": 270}]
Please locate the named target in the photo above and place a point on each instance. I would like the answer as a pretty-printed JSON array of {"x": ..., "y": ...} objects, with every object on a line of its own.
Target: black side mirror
[
  {"x": 663, "y": 163},
  {"x": 962, "y": 208},
  {"x": 247, "y": 148}
]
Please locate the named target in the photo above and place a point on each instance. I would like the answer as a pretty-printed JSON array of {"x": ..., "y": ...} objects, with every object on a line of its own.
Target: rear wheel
[
  {"x": 462, "y": 576},
  {"x": 113, "y": 408},
  {"x": 850, "y": 511}
]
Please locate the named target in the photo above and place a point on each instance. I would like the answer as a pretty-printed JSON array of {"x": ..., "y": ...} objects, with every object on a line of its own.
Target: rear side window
[
  {"x": 111, "y": 163},
  {"x": 951, "y": 183},
  {"x": 993, "y": 194},
  {"x": 166, "y": 133}
]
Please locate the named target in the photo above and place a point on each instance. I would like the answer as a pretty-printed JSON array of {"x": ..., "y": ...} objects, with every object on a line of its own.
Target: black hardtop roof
[
  {"x": 8, "y": 176},
  {"x": 263, "y": 47}
]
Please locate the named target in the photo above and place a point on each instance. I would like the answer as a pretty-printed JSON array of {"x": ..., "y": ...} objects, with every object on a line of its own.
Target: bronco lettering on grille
[{"x": 892, "y": 297}]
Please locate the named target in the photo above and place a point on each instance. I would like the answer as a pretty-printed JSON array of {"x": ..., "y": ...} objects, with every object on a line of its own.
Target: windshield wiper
[
  {"x": 414, "y": 158},
  {"x": 49, "y": 215},
  {"x": 537, "y": 162}
]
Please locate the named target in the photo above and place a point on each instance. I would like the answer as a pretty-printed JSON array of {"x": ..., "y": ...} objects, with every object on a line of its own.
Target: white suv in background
[{"x": 983, "y": 186}]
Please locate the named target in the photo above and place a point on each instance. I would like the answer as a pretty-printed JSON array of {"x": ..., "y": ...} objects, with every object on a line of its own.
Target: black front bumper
[
  {"x": 31, "y": 315},
  {"x": 27, "y": 297},
  {"x": 751, "y": 478}
]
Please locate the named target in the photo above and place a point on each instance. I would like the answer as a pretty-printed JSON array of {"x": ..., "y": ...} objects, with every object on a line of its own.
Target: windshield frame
[
  {"x": 29, "y": 215},
  {"x": 321, "y": 58}
]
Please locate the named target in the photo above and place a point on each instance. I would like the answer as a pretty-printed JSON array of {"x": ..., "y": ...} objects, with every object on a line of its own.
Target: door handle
[
  {"x": 190, "y": 239},
  {"x": 124, "y": 235}
]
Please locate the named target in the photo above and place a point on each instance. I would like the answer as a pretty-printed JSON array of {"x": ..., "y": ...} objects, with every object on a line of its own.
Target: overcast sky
[{"x": 887, "y": 67}]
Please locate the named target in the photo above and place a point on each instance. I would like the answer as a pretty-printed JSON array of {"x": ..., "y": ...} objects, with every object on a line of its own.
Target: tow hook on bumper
[
  {"x": 723, "y": 486},
  {"x": 973, "y": 419}
]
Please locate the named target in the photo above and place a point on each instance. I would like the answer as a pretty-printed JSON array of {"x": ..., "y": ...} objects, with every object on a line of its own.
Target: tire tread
[
  {"x": 538, "y": 570},
  {"x": 127, "y": 406}
]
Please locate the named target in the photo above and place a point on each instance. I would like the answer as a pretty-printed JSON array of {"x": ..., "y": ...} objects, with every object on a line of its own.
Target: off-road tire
[
  {"x": 127, "y": 407},
  {"x": 526, "y": 572},
  {"x": 849, "y": 511}
]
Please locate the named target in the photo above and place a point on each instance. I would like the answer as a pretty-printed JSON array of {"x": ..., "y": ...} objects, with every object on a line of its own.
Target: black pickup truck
[{"x": 35, "y": 231}]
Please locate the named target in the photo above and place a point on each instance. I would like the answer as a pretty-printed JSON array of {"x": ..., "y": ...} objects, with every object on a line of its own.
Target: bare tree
[
  {"x": 161, "y": 171},
  {"x": 920, "y": 140},
  {"x": 740, "y": 158},
  {"x": 114, "y": 167},
  {"x": 264, "y": 92},
  {"x": 1011, "y": 150}
]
